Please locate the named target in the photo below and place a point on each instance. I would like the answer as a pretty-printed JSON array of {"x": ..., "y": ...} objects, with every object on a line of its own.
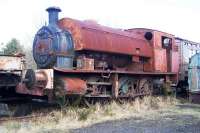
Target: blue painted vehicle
[{"x": 194, "y": 78}]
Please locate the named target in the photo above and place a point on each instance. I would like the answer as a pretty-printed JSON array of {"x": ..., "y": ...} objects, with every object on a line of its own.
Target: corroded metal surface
[
  {"x": 160, "y": 60},
  {"x": 175, "y": 62},
  {"x": 90, "y": 36},
  {"x": 85, "y": 63},
  {"x": 163, "y": 59},
  {"x": 11, "y": 70},
  {"x": 22, "y": 89},
  {"x": 111, "y": 72},
  {"x": 73, "y": 85},
  {"x": 43, "y": 81},
  {"x": 11, "y": 62},
  {"x": 77, "y": 50},
  {"x": 115, "y": 90}
]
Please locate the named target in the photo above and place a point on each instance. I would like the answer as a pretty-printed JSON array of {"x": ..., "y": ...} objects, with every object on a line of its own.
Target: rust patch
[{"x": 95, "y": 37}]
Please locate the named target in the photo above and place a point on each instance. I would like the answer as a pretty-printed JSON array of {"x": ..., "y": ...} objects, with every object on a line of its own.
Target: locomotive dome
[{"x": 53, "y": 46}]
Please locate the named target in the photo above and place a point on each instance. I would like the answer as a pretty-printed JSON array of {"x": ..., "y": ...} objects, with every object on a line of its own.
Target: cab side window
[{"x": 166, "y": 42}]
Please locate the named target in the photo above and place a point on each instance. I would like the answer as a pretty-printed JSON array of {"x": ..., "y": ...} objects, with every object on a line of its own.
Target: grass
[
  {"x": 74, "y": 117},
  {"x": 83, "y": 114},
  {"x": 13, "y": 126}
]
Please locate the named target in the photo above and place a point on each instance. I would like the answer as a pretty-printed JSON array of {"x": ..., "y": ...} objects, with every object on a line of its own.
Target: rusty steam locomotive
[{"x": 84, "y": 58}]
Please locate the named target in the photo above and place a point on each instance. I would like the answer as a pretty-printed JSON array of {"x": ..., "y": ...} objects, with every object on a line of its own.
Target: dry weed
[{"x": 74, "y": 117}]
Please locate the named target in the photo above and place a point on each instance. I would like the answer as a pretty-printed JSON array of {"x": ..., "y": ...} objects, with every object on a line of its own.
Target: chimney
[{"x": 53, "y": 15}]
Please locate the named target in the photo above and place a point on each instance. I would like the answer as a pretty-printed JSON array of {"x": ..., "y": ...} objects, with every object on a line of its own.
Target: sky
[{"x": 22, "y": 18}]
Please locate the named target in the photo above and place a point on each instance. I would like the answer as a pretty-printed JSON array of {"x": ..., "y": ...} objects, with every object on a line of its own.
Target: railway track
[
  {"x": 26, "y": 118},
  {"x": 17, "y": 111}
]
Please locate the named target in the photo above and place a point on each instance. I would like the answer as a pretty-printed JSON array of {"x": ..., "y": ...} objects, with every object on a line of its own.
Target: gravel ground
[
  {"x": 186, "y": 124},
  {"x": 175, "y": 123}
]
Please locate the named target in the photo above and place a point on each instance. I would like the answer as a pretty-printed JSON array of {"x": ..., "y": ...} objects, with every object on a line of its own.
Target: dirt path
[{"x": 183, "y": 120}]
